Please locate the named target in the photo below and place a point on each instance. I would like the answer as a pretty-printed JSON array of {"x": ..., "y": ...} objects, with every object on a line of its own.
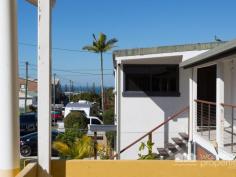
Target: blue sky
[{"x": 135, "y": 23}]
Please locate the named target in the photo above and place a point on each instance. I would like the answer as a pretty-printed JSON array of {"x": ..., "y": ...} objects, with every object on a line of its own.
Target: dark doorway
[
  {"x": 206, "y": 83},
  {"x": 206, "y": 95}
]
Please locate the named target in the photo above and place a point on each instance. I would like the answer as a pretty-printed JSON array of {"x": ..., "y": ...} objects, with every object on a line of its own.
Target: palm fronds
[{"x": 80, "y": 149}]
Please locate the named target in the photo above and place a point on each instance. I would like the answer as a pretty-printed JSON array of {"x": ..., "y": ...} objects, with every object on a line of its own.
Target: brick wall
[
  {"x": 32, "y": 85},
  {"x": 203, "y": 154}
]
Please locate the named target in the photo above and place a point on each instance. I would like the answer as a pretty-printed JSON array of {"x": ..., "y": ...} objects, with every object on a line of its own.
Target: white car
[{"x": 92, "y": 120}]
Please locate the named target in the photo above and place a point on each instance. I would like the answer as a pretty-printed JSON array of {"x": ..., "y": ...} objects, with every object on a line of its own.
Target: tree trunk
[{"x": 102, "y": 89}]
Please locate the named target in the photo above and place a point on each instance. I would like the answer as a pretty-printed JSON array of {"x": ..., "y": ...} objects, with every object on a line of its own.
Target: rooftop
[
  {"x": 166, "y": 49},
  {"x": 214, "y": 54}
]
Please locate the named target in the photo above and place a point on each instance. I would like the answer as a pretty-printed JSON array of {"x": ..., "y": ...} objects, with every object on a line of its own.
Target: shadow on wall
[
  {"x": 58, "y": 168},
  {"x": 170, "y": 106}
]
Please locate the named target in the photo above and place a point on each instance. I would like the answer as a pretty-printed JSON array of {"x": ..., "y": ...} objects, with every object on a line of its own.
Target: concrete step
[
  {"x": 163, "y": 152},
  {"x": 184, "y": 136},
  {"x": 178, "y": 141},
  {"x": 171, "y": 147}
]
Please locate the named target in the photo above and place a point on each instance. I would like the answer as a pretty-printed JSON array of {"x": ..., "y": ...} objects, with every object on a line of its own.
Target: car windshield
[
  {"x": 54, "y": 133},
  {"x": 30, "y": 135}
]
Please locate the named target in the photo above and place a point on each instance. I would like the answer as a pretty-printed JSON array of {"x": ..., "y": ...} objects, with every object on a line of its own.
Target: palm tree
[{"x": 101, "y": 45}]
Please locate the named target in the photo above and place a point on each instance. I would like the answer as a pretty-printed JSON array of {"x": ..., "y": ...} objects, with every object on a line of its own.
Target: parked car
[
  {"x": 29, "y": 144},
  {"x": 56, "y": 115},
  {"x": 28, "y": 123},
  {"x": 90, "y": 121}
]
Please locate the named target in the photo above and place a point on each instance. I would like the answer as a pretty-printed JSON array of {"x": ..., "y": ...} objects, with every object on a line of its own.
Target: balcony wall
[
  {"x": 150, "y": 168},
  {"x": 29, "y": 171}
]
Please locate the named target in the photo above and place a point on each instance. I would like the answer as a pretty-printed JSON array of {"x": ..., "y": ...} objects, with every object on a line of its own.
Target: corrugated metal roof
[{"x": 211, "y": 54}]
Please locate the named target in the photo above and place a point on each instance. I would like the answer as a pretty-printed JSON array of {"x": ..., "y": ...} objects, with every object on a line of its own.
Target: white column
[
  {"x": 219, "y": 101},
  {"x": 192, "y": 108},
  {"x": 118, "y": 94},
  {"x": 9, "y": 118},
  {"x": 44, "y": 87},
  {"x": 190, "y": 121}
]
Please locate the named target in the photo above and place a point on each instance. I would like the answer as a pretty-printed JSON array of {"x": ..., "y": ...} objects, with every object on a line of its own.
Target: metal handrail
[
  {"x": 205, "y": 102},
  {"x": 205, "y": 110},
  {"x": 228, "y": 105},
  {"x": 232, "y": 119},
  {"x": 154, "y": 129}
]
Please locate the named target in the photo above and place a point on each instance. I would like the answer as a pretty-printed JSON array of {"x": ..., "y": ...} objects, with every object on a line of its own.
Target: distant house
[
  {"x": 32, "y": 84},
  {"x": 150, "y": 86},
  {"x": 32, "y": 92},
  {"x": 31, "y": 99}
]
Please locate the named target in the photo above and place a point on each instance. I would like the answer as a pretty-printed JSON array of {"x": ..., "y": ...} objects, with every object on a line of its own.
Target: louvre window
[{"x": 156, "y": 80}]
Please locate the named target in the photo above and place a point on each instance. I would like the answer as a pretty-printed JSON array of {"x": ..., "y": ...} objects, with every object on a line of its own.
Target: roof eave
[{"x": 217, "y": 53}]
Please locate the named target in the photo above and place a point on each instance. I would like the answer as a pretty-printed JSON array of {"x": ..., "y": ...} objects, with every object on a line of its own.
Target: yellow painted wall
[
  {"x": 149, "y": 168},
  {"x": 29, "y": 171},
  {"x": 9, "y": 173}
]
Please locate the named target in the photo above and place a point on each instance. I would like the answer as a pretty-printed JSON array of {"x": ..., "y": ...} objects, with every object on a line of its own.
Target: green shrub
[
  {"x": 150, "y": 155},
  {"x": 81, "y": 148},
  {"x": 108, "y": 119},
  {"x": 89, "y": 96},
  {"x": 70, "y": 136},
  {"x": 76, "y": 120},
  {"x": 75, "y": 127}
]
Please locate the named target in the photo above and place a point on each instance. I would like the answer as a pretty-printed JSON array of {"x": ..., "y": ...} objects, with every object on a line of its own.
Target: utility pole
[
  {"x": 70, "y": 91},
  {"x": 54, "y": 96},
  {"x": 26, "y": 84},
  {"x": 87, "y": 89},
  {"x": 72, "y": 86},
  {"x": 94, "y": 88}
]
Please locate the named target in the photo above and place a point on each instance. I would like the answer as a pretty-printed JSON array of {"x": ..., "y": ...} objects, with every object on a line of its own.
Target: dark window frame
[{"x": 148, "y": 69}]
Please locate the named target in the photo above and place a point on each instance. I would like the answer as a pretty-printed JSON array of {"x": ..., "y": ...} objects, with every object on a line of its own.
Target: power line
[
  {"x": 60, "y": 49},
  {"x": 69, "y": 71},
  {"x": 35, "y": 66},
  {"x": 73, "y": 72}
]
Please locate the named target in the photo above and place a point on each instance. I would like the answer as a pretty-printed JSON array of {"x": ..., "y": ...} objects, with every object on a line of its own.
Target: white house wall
[
  {"x": 22, "y": 102},
  {"x": 229, "y": 79},
  {"x": 138, "y": 115},
  {"x": 230, "y": 86}
]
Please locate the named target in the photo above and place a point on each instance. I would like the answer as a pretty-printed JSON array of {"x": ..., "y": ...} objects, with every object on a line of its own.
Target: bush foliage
[
  {"x": 80, "y": 149},
  {"x": 76, "y": 120},
  {"x": 108, "y": 119},
  {"x": 75, "y": 127}
]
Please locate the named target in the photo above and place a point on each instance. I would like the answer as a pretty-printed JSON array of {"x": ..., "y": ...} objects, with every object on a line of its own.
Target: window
[
  {"x": 22, "y": 86},
  {"x": 153, "y": 80},
  {"x": 95, "y": 121},
  {"x": 137, "y": 82}
]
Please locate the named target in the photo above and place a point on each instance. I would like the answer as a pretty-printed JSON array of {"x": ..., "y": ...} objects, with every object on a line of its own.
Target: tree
[
  {"x": 66, "y": 88},
  {"x": 75, "y": 127},
  {"x": 101, "y": 45},
  {"x": 88, "y": 96}
]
